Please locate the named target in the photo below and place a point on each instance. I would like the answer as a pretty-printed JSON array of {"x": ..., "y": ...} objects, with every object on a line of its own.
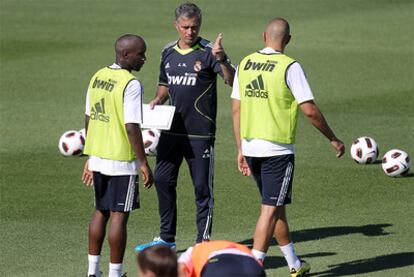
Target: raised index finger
[{"x": 218, "y": 39}]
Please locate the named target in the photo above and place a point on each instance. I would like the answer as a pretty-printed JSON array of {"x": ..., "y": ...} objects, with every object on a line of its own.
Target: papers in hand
[{"x": 159, "y": 118}]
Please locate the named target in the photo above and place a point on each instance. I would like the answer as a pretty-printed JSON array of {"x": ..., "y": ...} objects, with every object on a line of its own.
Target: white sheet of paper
[{"x": 159, "y": 118}]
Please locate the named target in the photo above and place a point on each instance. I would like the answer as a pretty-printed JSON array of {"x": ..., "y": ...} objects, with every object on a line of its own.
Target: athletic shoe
[
  {"x": 156, "y": 241},
  {"x": 302, "y": 271},
  {"x": 93, "y": 275}
]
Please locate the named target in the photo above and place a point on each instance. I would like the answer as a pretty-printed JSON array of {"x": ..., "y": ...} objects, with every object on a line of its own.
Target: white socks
[
  {"x": 290, "y": 256},
  {"x": 115, "y": 270},
  {"x": 259, "y": 254},
  {"x": 93, "y": 268}
]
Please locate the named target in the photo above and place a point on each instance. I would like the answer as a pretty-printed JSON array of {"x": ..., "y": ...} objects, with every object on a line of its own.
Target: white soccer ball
[
  {"x": 364, "y": 150},
  {"x": 83, "y": 133},
  {"x": 396, "y": 163},
  {"x": 71, "y": 143},
  {"x": 150, "y": 139}
]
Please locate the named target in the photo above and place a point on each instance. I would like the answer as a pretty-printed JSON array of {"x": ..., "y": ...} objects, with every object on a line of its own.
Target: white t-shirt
[
  {"x": 299, "y": 86},
  {"x": 133, "y": 96}
]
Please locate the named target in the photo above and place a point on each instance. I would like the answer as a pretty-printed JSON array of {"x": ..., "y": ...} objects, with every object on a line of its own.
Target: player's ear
[
  {"x": 125, "y": 55},
  {"x": 264, "y": 36}
]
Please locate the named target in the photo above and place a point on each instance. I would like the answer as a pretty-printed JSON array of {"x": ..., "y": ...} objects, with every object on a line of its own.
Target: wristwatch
[{"x": 225, "y": 59}]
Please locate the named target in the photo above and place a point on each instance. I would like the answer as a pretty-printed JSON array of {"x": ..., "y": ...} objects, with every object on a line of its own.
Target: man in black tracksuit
[{"x": 188, "y": 77}]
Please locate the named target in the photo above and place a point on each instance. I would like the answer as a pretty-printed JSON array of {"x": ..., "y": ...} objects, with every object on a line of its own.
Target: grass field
[{"x": 346, "y": 219}]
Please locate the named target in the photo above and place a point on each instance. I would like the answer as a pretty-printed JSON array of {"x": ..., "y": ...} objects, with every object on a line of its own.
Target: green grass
[{"x": 346, "y": 219}]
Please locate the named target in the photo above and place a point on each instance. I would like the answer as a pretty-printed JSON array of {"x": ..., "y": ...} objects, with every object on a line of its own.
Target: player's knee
[
  {"x": 202, "y": 192},
  {"x": 164, "y": 180},
  {"x": 119, "y": 218},
  {"x": 269, "y": 211}
]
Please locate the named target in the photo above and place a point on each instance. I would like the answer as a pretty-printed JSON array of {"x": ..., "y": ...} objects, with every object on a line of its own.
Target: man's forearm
[
  {"x": 320, "y": 123},
  {"x": 86, "y": 123},
  {"x": 317, "y": 119},
  {"x": 161, "y": 95},
  {"x": 135, "y": 139},
  {"x": 228, "y": 72},
  {"x": 236, "y": 122}
]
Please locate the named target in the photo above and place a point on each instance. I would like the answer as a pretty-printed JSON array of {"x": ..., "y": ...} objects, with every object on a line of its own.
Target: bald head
[
  {"x": 130, "y": 52},
  {"x": 278, "y": 28},
  {"x": 277, "y": 33},
  {"x": 128, "y": 42}
]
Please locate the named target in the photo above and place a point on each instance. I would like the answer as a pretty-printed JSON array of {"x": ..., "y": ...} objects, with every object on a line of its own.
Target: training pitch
[{"x": 346, "y": 219}]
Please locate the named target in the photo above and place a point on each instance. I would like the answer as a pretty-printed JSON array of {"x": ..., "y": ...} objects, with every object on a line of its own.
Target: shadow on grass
[
  {"x": 370, "y": 230},
  {"x": 377, "y": 162},
  {"x": 279, "y": 261},
  {"x": 379, "y": 263},
  {"x": 409, "y": 175}
]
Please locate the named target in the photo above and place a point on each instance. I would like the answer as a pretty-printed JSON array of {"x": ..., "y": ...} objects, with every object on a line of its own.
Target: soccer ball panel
[
  {"x": 364, "y": 150},
  {"x": 71, "y": 143},
  {"x": 396, "y": 163},
  {"x": 150, "y": 138}
]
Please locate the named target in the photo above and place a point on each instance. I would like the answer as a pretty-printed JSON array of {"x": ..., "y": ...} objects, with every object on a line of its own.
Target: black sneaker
[{"x": 93, "y": 275}]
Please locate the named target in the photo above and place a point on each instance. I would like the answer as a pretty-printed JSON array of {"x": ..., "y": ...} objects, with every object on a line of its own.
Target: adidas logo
[
  {"x": 206, "y": 154},
  {"x": 256, "y": 89},
  {"x": 98, "y": 111},
  {"x": 106, "y": 85},
  {"x": 267, "y": 66}
]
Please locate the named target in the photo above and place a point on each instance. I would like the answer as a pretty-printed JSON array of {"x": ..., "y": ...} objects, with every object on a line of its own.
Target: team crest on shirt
[{"x": 197, "y": 66}]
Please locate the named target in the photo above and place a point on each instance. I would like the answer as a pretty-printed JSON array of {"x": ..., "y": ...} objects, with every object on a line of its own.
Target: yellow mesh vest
[
  {"x": 268, "y": 109},
  {"x": 107, "y": 137}
]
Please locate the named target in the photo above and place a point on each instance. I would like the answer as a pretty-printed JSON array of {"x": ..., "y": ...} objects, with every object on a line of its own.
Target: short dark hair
[
  {"x": 159, "y": 259},
  {"x": 188, "y": 10}
]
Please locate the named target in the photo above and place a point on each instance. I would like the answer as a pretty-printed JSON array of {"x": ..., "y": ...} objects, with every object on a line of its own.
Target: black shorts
[
  {"x": 232, "y": 265},
  {"x": 273, "y": 176},
  {"x": 115, "y": 193}
]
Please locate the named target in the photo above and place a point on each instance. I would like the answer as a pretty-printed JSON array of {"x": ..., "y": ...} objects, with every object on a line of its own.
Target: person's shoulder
[
  {"x": 135, "y": 82},
  {"x": 205, "y": 44},
  {"x": 103, "y": 69},
  {"x": 169, "y": 46},
  {"x": 132, "y": 89},
  {"x": 289, "y": 58},
  {"x": 294, "y": 67},
  {"x": 249, "y": 56}
]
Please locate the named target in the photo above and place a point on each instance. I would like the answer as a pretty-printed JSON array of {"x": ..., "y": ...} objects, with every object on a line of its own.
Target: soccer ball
[
  {"x": 364, "y": 150},
  {"x": 71, "y": 143},
  {"x": 83, "y": 133},
  {"x": 150, "y": 139},
  {"x": 396, "y": 163}
]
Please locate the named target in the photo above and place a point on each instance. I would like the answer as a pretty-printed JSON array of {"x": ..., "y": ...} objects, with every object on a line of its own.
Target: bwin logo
[
  {"x": 106, "y": 85},
  {"x": 256, "y": 89},
  {"x": 187, "y": 80},
  {"x": 98, "y": 111},
  {"x": 267, "y": 66}
]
